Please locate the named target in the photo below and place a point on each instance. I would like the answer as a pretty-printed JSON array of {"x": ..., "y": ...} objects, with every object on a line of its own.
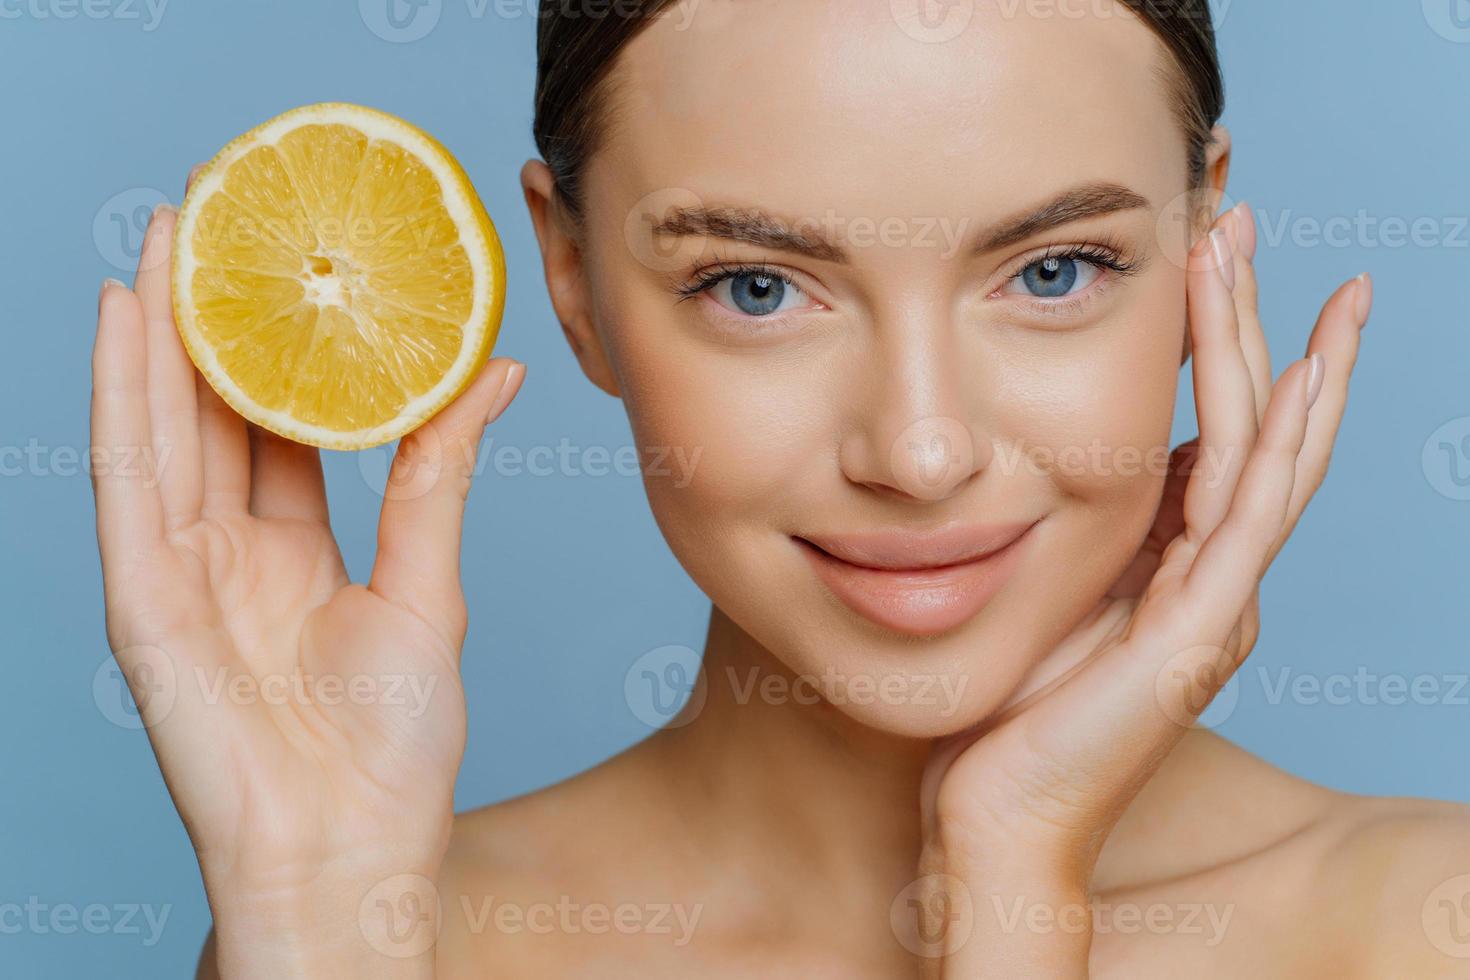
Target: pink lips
[{"x": 918, "y": 583}]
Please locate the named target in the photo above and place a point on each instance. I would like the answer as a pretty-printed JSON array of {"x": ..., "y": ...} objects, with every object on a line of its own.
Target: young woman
[{"x": 914, "y": 287}]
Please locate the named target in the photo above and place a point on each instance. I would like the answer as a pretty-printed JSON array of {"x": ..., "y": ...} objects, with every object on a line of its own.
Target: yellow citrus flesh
[{"x": 335, "y": 276}]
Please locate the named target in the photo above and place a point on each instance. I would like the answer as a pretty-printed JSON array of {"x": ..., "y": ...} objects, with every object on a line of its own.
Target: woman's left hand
[{"x": 1018, "y": 812}]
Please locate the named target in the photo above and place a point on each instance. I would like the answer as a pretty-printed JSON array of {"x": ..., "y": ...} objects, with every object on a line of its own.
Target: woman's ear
[
  {"x": 1217, "y": 164},
  {"x": 561, "y": 258},
  {"x": 1217, "y": 177}
]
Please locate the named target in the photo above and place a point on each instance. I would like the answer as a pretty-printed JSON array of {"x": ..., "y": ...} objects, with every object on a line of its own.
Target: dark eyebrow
[
  {"x": 755, "y": 227},
  {"x": 750, "y": 226},
  {"x": 1085, "y": 201}
]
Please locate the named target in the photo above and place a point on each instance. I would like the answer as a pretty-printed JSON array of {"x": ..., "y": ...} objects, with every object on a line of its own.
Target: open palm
[{"x": 304, "y": 724}]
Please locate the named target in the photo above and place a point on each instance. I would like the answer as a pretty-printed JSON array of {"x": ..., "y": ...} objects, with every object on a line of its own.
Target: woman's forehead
[{"x": 805, "y": 103}]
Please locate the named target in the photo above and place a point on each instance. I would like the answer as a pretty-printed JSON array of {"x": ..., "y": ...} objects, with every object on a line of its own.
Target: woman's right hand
[{"x": 309, "y": 729}]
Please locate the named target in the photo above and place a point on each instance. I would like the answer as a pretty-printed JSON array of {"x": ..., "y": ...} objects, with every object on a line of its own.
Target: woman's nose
[{"x": 916, "y": 429}]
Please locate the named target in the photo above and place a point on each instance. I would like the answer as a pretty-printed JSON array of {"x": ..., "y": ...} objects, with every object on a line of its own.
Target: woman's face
[{"x": 962, "y": 324}]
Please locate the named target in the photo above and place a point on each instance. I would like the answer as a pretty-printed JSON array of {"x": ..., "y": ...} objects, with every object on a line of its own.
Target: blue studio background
[{"x": 1352, "y": 144}]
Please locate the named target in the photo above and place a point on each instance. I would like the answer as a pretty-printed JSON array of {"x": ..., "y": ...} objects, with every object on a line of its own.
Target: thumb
[{"x": 419, "y": 528}]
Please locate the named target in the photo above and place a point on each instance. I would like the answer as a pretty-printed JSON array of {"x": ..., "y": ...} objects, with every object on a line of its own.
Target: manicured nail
[
  {"x": 193, "y": 172},
  {"x": 1228, "y": 224},
  {"x": 103, "y": 291},
  {"x": 1224, "y": 258},
  {"x": 1363, "y": 299},
  {"x": 156, "y": 245},
  {"x": 1315, "y": 376},
  {"x": 507, "y": 390},
  {"x": 1246, "y": 223}
]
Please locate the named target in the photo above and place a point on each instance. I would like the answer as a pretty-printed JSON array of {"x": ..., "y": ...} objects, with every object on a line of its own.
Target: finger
[
  {"x": 129, "y": 510},
  {"x": 1247, "y": 308},
  {"x": 423, "y": 504},
  {"x": 1223, "y": 391},
  {"x": 1337, "y": 337},
  {"x": 1230, "y": 563},
  {"x": 224, "y": 443},
  {"x": 225, "y": 451},
  {"x": 286, "y": 479},
  {"x": 173, "y": 406},
  {"x": 1123, "y": 711},
  {"x": 1169, "y": 522}
]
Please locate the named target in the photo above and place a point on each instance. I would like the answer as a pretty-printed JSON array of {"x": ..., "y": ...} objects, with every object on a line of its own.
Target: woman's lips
[{"x": 920, "y": 584}]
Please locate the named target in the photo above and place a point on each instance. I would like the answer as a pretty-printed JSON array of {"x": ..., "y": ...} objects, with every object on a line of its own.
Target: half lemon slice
[{"x": 335, "y": 276}]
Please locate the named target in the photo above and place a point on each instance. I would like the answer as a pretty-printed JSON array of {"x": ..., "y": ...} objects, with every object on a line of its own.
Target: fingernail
[
  {"x": 103, "y": 291},
  {"x": 1363, "y": 299},
  {"x": 1315, "y": 376},
  {"x": 1246, "y": 219},
  {"x": 1223, "y": 258},
  {"x": 506, "y": 392},
  {"x": 156, "y": 244},
  {"x": 193, "y": 172},
  {"x": 1228, "y": 224}
]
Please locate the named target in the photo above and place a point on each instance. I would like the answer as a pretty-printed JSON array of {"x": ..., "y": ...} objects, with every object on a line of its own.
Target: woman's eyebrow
[
  {"x": 806, "y": 237},
  {"x": 1084, "y": 201}
]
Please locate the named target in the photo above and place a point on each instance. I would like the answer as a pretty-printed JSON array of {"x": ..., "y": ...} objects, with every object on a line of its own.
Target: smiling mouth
[{"x": 917, "y": 584}]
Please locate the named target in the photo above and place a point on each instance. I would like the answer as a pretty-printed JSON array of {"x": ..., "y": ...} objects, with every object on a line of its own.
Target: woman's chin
[{"x": 906, "y": 701}]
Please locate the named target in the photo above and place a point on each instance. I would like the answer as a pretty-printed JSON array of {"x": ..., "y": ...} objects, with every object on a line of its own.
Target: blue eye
[
  {"x": 1056, "y": 276},
  {"x": 754, "y": 293}
]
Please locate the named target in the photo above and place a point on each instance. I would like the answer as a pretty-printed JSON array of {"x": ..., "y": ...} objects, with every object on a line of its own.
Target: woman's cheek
[
  {"x": 1095, "y": 423},
  {"x": 733, "y": 433}
]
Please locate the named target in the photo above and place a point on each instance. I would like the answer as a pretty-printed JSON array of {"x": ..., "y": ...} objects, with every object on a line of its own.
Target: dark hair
[{"x": 576, "y": 51}]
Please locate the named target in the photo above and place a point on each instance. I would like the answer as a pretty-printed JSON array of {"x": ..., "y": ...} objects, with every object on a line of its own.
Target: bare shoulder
[
  {"x": 1268, "y": 874},
  {"x": 578, "y": 872},
  {"x": 503, "y": 861},
  {"x": 1399, "y": 869},
  {"x": 554, "y": 833}
]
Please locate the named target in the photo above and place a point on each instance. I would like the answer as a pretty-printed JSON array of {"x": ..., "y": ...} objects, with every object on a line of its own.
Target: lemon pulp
[{"x": 335, "y": 276}]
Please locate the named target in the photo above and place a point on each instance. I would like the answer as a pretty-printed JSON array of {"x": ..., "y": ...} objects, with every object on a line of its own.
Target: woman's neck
[{"x": 769, "y": 776}]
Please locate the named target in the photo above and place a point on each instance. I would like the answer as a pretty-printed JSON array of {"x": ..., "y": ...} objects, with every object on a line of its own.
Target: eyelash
[
  {"x": 1109, "y": 255},
  {"x": 706, "y": 279}
]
